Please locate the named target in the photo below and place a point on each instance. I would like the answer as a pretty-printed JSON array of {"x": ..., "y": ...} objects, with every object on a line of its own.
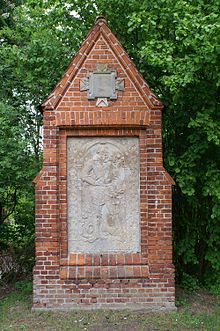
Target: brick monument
[{"x": 103, "y": 197}]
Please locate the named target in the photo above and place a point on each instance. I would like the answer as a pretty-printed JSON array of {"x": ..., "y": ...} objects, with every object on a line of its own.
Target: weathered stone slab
[{"x": 103, "y": 194}]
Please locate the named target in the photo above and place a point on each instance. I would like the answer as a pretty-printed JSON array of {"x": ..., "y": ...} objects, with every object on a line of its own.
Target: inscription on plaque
[{"x": 103, "y": 194}]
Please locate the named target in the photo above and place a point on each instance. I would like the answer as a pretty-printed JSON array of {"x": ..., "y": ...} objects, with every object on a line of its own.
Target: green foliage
[
  {"x": 18, "y": 167},
  {"x": 176, "y": 47},
  {"x": 17, "y": 163},
  {"x": 189, "y": 283},
  {"x": 181, "y": 302},
  {"x": 24, "y": 286},
  {"x": 215, "y": 288}
]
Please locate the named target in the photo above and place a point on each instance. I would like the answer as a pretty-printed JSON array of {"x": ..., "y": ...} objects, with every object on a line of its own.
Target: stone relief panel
[{"x": 103, "y": 194}]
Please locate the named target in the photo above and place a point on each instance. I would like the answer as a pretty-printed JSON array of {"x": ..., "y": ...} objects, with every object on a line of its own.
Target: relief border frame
[{"x": 119, "y": 265}]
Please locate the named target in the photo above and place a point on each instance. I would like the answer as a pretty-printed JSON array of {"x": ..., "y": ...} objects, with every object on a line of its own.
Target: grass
[{"x": 196, "y": 311}]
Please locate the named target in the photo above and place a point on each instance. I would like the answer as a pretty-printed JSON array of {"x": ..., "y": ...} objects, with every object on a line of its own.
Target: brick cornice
[{"x": 103, "y": 119}]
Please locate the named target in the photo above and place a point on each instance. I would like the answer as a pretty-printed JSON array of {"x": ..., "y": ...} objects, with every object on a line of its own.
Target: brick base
[{"x": 130, "y": 294}]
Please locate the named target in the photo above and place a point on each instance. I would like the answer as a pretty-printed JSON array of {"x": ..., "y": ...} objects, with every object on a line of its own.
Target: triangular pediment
[{"x": 101, "y": 46}]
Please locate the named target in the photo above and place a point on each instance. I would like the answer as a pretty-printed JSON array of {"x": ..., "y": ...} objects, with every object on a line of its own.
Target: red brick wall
[{"x": 70, "y": 281}]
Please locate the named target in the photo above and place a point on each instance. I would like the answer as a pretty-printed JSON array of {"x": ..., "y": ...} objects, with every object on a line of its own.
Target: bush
[{"x": 189, "y": 282}]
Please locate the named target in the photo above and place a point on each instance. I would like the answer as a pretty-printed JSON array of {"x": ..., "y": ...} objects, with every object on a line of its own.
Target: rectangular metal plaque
[
  {"x": 103, "y": 194},
  {"x": 102, "y": 85}
]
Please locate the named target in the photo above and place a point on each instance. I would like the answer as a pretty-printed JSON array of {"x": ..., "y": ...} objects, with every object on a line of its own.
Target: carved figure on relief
[
  {"x": 102, "y": 190},
  {"x": 103, "y": 194}
]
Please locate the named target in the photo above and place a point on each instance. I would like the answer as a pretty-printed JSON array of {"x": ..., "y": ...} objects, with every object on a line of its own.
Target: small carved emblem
[
  {"x": 120, "y": 84},
  {"x": 84, "y": 84},
  {"x": 102, "y": 67},
  {"x": 102, "y": 83},
  {"x": 102, "y": 102}
]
